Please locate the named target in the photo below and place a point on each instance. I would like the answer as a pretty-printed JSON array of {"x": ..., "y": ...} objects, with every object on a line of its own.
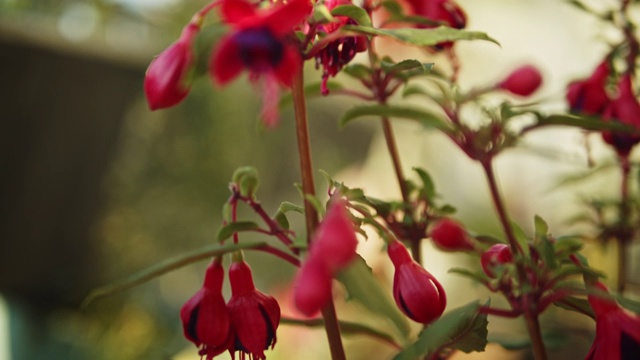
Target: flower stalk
[{"x": 331, "y": 324}]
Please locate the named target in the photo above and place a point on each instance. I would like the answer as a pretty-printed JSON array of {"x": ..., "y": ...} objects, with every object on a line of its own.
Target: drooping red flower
[
  {"x": 417, "y": 293},
  {"x": 312, "y": 286},
  {"x": 617, "y": 331},
  {"x": 523, "y": 81},
  {"x": 446, "y": 12},
  {"x": 340, "y": 52},
  {"x": 589, "y": 96},
  {"x": 254, "y": 315},
  {"x": 335, "y": 239},
  {"x": 625, "y": 109},
  {"x": 205, "y": 320},
  {"x": 449, "y": 235},
  {"x": 167, "y": 82},
  {"x": 260, "y": 41},
  {"x": 333, "y": 247},
  {"x": 496, "y": 255}
]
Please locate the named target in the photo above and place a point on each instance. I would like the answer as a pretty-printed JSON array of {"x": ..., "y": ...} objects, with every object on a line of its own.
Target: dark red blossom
[
  {"x": 205, "y": 320},
  {"x": 496, "y": 255},
  {"x": 626, "y": 110},
  {"x": 617, "y": 331},
  {"x": 167, "y": 82},
  {"x": 260, "y": 41},
  {"x": 523, "y": 81},
  {"x": 589, "y": 96},
  {"x": 255, "y": 316},
  {"x": 449, "y": 235},
  {"x": 417, "y": 293},
  {"x": 338, "y": 53}
]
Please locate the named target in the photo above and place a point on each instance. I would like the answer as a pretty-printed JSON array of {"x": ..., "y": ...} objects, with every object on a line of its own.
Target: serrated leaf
[
  {"x": 366, "y": 290},
  {"x": 422, "y": 37},
  {"x": 228, "y": 230},
  {"x": 166, "y": 266},
  {"x": 425, "y": 117},
  {"x": 463, "y": 328},
  {"x": 356, "y": 13}
]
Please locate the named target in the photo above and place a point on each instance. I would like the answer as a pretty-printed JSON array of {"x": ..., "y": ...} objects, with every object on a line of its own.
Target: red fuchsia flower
[
  {"x": 338, "y": 53},
  {"x": 617, "y": 331},
  {"x": 589, "y": 96},
  {"x": 167, "y": 82},
  {"x": 254, "y": 315},
  {"x": 496, "y": 255},
  {"x": 523, "y": 81},
  {"x": 449, "y": 235},
  {"x": 446, "y": 12},
  {"x": 261, "y": 42},
  {"x": 417, "y": 293},
  {"x": 625, "y": 109},
  {"x": 333, "y": 247},
  {"x": 205, "y": 320}
]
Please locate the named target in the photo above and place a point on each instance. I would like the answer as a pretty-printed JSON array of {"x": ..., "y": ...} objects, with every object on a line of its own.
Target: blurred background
[{"x": 95, "y": 187}]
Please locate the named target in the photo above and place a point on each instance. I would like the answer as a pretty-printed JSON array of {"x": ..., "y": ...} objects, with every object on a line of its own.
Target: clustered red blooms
[
  {"x": 417, "y": 293},
  {"x": 590, "y": 97},
  {"x": 617, "y": 331},
  {"x": 449, "y": 235},
  {"x": 333, "y": 247},
  {"x": 247, "y": 323},
  {"x": 338, "y": 53}
]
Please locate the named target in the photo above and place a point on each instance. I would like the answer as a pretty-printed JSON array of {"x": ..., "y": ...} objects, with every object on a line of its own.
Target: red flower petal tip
[
  {"x": 449, "y": 235},
  {"x": 523, "y": 81}
]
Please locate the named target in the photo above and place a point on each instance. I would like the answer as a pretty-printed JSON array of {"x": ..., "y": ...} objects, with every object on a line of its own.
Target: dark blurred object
[{"x": 61, "y": 112}]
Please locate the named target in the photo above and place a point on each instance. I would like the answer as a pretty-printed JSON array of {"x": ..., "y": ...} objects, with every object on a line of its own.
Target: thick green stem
[
  {"x": 530, "y": 316},
  {"x": 331, "y": 324}
]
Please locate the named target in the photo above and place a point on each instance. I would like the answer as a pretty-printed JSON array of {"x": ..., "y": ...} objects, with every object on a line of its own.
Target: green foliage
[
  {"x": 247, "y": 180},
  {"x": 464, "y": 329},
  {"x": 358, "y": 14},
  {"x": 228, "y": 230},
  {"x": 424, "y": 117},
  {"x": 366, "y": 290},
  {"x": 422, "y": 37}
]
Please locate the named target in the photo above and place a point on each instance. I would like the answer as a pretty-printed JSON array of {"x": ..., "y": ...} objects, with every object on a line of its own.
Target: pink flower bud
[
  {"x": 335, "y": 239},
  {"x": 522, "y": 81},
  {"x": 589, "y": 96},
  {"x": 312, "y": 287},
  {"x": 417, "y": 293},
  {"x": 449, "y": 235},
  {"x": 166, "y": 82},
  {"x": 498, "y": 254}
]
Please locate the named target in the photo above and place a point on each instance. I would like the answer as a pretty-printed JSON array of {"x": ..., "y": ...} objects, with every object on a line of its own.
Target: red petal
[
  {"x": 251, "y": 329},
  {"x": 335, "y": 240},
  {"x": 283, "y": 19},
  {"x": 188, "y": 315},
  {"x": 288, "y": 67},
  {"x": 241, "y": 279},
  {"x": 234, "y": 11},
  {"x": 225, "y": 64}
]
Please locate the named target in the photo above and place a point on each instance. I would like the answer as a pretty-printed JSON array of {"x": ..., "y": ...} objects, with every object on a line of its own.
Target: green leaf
[
  {"x": 629, "y": 304},
  {"x": 408, "y": 65},
  {"x": 286, "y": 206},
  {"x": 282, "y": 220},
  {"x": 346, "y": 328},
  {"x": 576, "y": 304},
  {"x": 463, "y": 328},
  {"x": 542, "y": 229},
  {"x": 228, "y": 230},
  {"x": 585, "y": 122},
  {"x": 428, "y": 191},
  {"x": 426, "y": 118},
  {"x": 365, "y": 289},
  {"x": 356, "y": 13},
  {"x": 521, "y": 237},
  {"x": 321, "y": 14},
  {"x": 247, "y": 179},
  {"x": 166, "y": 266},
  {"x": 413, "y": 89},
  {"x": 422, "y": 37},
  {"x": 478, "y": 276}
]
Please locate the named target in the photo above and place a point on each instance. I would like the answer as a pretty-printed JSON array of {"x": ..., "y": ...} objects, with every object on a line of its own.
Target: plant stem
[
  {"x": 331, "y": 325},
  {"x": 531, "y": 317},
  {"x": 624, "y": 235},
  {"x": 392, "y": 147}
]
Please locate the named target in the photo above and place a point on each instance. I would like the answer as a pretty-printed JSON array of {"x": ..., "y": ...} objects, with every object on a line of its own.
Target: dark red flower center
[{"x": 259, "y": 48}]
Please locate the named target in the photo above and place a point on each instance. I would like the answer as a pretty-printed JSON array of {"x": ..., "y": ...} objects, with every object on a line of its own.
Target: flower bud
[
  {"x": 522, "y": 81},
  {"x": 312, "y": 287},
  {"x": 496, "y": 255},
  {"x": 449, "y": 235},
  {"x": 416, "y": 292},
  {"x": 335, "y": 239},
  {"x": 166, "y": 82},
  {"x": 589, "y": 96}
]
